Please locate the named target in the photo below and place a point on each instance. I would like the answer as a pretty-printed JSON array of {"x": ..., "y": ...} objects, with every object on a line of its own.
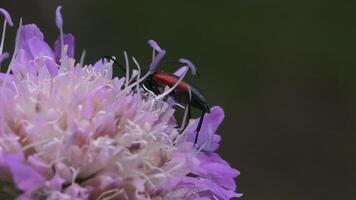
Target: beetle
[{"x": 184, "y": 92}]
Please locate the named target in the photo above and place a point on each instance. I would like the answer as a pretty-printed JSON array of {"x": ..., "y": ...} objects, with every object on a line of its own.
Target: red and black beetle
[{"x": 184, "y": 92}]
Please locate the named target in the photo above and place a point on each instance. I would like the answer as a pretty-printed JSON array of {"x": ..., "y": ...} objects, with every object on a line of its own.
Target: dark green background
[{"x": 284, "y": 71}]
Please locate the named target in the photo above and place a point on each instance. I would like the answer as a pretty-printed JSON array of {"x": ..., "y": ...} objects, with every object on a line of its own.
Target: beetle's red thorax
[{"x": 170, "y": 80}]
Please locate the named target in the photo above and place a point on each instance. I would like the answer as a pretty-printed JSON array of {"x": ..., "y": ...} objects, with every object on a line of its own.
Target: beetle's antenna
[{"x": 115, "y": 61}]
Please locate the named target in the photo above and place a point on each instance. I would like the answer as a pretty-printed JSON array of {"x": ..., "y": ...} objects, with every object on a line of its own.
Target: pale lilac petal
[
  {"x": 7, "y": 16},
  {"x": 103, "y": 182},
  {"x": 99, "y": 64},
  {"x": 31, "y": 41},
  {"x": 207, "y": 188},
  {"x": 59, "y": 19},
  {"x": 20, "y": 63},
  {"x": 6, "y": 77},
  {"x": 56, "y": 183},
  {"x": 38, "y": 47},
  {"x": 23, "y": 175},
  {"x": 26, "y": 32},
  {"x": 214, "y": 168},
  {"x": 52, "y": 67},
  {"x": 68, "y": 39},
  {"x": 207, "y": 133},
  {"x": 167, "y": 186},
  {"x": 77, "y": 192},
  {"x": 78, "y": 138},
  {"x": 40, "y": 165}
]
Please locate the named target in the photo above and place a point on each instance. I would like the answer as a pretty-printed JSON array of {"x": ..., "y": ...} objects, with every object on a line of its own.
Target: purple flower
[
  {"x": 71, "y": 131},
  {"x": 211, "y": 176}
]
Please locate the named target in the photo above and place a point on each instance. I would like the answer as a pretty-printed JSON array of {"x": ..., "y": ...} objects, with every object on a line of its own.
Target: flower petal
[
  {"x": 31, "y": 40},
  {"x": 77, "y": 192},
  {"x": 214, "y": 168},
  {"x": 56, "y": 182},
  {"x": 68, "y": 39},
  {"x": 207, "y": 134},
  {"x": 23, "y": 175},
  {"x": 6, "y": 77},
  {"x": 207, "y": 188}
]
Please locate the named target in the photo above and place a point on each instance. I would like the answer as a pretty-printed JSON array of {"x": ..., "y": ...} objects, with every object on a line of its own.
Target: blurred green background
[{"x": 284, "y": 71}]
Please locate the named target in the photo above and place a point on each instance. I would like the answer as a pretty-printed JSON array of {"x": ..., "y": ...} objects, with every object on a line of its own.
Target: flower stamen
[
  {"x": 7, "y": 20},
  {"x": 59, "y": 23}
]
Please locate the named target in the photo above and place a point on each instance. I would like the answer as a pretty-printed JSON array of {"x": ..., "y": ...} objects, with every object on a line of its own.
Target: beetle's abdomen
[{"x": 169, "y": 80}]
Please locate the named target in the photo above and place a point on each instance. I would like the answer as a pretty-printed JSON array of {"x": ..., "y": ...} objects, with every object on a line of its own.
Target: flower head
[{"x": 72, "y": 131}]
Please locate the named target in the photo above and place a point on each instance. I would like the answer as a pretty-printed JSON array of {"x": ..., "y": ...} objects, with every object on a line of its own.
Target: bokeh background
[{"x": 284, "y": 71}]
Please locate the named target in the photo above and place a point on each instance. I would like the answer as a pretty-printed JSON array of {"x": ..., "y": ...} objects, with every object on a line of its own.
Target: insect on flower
[
  {"x": 72, "y": 131},
  {"x": 184, "y": 94}
]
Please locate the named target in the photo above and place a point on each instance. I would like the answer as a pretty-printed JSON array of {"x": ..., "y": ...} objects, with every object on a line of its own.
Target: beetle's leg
[
  {"x": 188, "y": 111},
  {"x": 200, "y": 123}
]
